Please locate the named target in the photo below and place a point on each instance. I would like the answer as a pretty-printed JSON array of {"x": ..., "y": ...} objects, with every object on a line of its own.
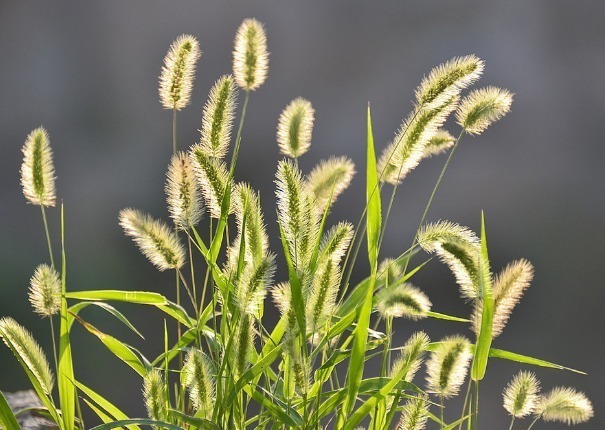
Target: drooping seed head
[
  {"x": 458, "y": 247},
  {"x": 448, "y": 365},
  {"x": 404, "y": 153},
  {"x": 26, "y": 350},
  {"x": 403, "y": 300},
  {"x": 250, "y": 56},
  {"x": 329, "y": 179},
  {"x": 178, "y": 72},
  {"x": 213, "y": 178},
  {"x": 158, "y": 242},
  {"x": 217, "y": 119},
  {"x": 411, "y": 356},
  {"x": 37, "y": 170},
  {"x": 508, "y": 288},
  {"x": 441, "y": 142},
  {"x": 45, "y": 291},
  {"x": 415, "y": 414},
  {"x": 482, "y": 107},
  {"x": 155, "y": 397},
  {"x": 388, "y": 272},
  {"x": 566, "y": 405},
  {"x": 448, "y": 79},
  {"x": 295, "y": 128},
  {"x": 197, "y": 377},
  {"x": 521, "y": 395},
  {"x": 182, "y": 192}
]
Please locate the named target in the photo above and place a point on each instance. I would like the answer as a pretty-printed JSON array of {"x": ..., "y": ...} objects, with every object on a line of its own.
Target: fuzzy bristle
[
  {"x": 329, "y": 179},
  {"x": 508, "y": 288},
  {"x": 197, "y": 377},
  {"x": 251, "y": 288},
  {"x": 411, "y": 356},
  {"x": 37, "y": 170},
  {"x": 295, "y": 128},
  {"x": 388, "y": 272},
  {"x": 403, "y": 300},
  {"x": 155, "y": 397},
  {"x": 415, "y": 414},
  {"x": 441, "y": 142},
  {"x": 155, "y": 239},
  {"x": 521, "y": 394},
  {"x": 250, "y": 56},
  {"x": 448, "y": 79},
  {"x": 458, "y": 247},
  {"x": 45, "y": 291},
  {"x": 178, "y": 72},
  {"x": 26, "y": 349},
  {"x": 448, "y": 365},
  {"x": 566, "y": 405},
  {"x": 404, "y": 153},
  {"x": 213, "y": 179},
  {"x": 482, "y": 107},
  {"x": 217, "y": 119},
  {"x": 182, "y": 192}
]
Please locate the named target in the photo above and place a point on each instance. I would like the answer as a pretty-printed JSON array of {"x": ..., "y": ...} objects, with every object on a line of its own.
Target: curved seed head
[
  {"x": 566, "y": 405},
  {"x": 448, "y": 365},
  {"x": 482, "y": 107},
  {"x": 182, "y": 192},
  {"x": 329, "y": 179}
]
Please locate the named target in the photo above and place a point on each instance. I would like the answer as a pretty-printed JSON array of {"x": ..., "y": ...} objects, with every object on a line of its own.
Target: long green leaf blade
[
  {"x": 7, "y": 417},
  {"x": 513, "y": 356},
  {"x": 138, "y": 297}
]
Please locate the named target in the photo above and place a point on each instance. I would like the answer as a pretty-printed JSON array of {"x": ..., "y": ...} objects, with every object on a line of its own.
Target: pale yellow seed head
[
  {"x": 522, "y": 394},
  {"x": 566, "y": 405},
  {"x": 158, "y": 242},
  {"x": 403, "y": 300},
  {"x": 441, "y": 142},
  {"x": 250, "y": 56},
  {"x": 415, "y": 414},
  {"x": 178, "y": 72},
  {"x": 154, "y": 393},
  {"x": 482, "y": 107},
  {"x": 45, "y": 291},
  {"x": 197, "y": 377},
  {"x": 213, "y": 179},
  {"x": 218, "y": 116},
  {"x": 448, "y": 365},
  {"x": 295, "y": 128},
  {"x": 329, "y": 179},
  {"x": 182, "y": 192},
  {"x": 37, "y": 170},
  {"x": 411, "y": 356}
]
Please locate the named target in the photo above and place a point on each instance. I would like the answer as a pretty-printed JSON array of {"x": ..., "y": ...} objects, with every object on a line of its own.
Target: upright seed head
[
  {"x": 182, "y": 192},
  {"x": 415, "y": 414},
  {"x": 441, "y": 142},
  {"x": 213, "y": 178},
  {"x": 508, "y": 287},
  {"x": 155, "y": 397},
  {"x": 197, "y": 377},
  {"x": 522, "y": 394},
  {"x": 295, "y": 128},
  {"x": 178, "y": 72},
  {"x": 250, "y": 56},
  {"x": 252, "y": 287},
  {"x": 45, "y": 291},
  {"x": 37, "y": 170},
  {"x": 448, "y": 79},
  {"x": 411, "y": 356},
  {"x": 403, "y": 300},
  {"x": 448, "y": 365},
  {"x": 26, "y": 349},
  {"x": 565, "y": 405},
  {"x": 482, "y": 107},
  {"x": 458, "y": 247},
  {"x": 217, "y": 119},
  {"x": 329, "y": 179},
  {"x": 155, "y": 239}
]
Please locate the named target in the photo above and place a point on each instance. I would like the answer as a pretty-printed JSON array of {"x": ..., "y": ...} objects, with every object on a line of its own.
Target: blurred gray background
[{"x": 88, "y": 72}]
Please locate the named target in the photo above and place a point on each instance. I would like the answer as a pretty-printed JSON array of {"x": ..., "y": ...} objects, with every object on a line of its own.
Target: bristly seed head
[
  {"x": 295, "y": 128},
  {"x": 415, "y": 414},
  {"x": 155, "y": 239},
  {"x": 250, "y": 56},
  {"x": 155, "y": 397},
  {"x": 482, "y": 107},
  {"x": 329, "y": 179},
  {"x": 217, "y": 119},
  {"x": 403, "y": 300},
  {"x": 521, "y": 394},
  {"x": 182, "y": 192},
  {"x": 448, "y": 79},
  {"x": 448, "y": 365},
  {"x": 37, "y": 170},
  {"x": 197, "y": 377},
  {"x": 45, "y": 291},
  {"x": 565, "y": 405},
  {"x": 178, "y": 72},
  {"x": 213, "y": 178},
  {"x": 441, "y": 142},
  {"x": 411, "y": 356},
  {"x": 26, "y": 349}
]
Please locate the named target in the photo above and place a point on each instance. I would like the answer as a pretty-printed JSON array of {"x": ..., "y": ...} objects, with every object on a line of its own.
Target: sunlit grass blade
[
  {"x": 142, "y": 422},
  {"x": 7, "y": 418},
  {"x": 484, "y": 340},
  {"x": 519, "y": 358},
  {"x": 139, "y": 297},
  {"x": 102, "y": 403},
  {"x": 75, "y": 309},
  {"x": 373, "y": 223}
]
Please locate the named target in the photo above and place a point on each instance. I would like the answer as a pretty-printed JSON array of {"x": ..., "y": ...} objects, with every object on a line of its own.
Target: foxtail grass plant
[{"x": 332, "y": 359}]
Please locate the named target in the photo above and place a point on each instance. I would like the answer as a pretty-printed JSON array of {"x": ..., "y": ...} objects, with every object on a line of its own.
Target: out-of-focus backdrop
[{"x": 88, "y": 72}]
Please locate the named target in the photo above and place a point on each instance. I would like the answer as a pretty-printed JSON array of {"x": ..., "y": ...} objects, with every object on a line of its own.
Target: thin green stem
[
  {"x": 173, "y": 131},
  {"x": 50, "y": 248},
  {"x": 441, "y": 407},
  {"x": 534, "y": 421},
  {"x": 476, "y": 410},
  {"x": 468, "y": 392},
  {"x": 238, "y": 137},
  {"x": 512, "y": 422},
  {"x": 54, "y": 339}
]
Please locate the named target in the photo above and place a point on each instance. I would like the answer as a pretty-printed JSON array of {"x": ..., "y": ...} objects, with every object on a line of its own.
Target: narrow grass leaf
[
  {"x": 103, "y": 404},
  {"x": 138, "y": 297},
  {"x": 513, "y": 356},
  {"x": 7, "y": 418}
]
